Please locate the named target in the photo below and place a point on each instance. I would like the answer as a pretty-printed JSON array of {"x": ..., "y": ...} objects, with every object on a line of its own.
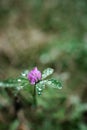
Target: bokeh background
[{"x": 44, "y": 33}]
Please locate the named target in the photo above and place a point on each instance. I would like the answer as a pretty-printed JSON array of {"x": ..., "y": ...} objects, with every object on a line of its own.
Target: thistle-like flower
[{"x": 34, "y": 76}]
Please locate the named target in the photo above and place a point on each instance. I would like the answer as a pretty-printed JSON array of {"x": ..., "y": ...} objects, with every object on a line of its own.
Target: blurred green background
[{"x": 45, "y": 33}]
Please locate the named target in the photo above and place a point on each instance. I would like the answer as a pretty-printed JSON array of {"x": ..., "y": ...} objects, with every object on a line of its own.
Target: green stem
[{"x": 34, "y": 97}]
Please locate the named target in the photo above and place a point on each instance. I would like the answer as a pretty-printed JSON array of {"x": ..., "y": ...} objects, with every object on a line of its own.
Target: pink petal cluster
[{"x": 34, "y": 76}]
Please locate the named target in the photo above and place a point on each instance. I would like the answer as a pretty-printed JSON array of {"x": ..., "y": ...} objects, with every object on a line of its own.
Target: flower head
[{"x": 34, "y": 76}]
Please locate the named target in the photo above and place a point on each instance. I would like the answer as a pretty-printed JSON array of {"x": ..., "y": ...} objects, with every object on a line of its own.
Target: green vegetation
[{"x": 44, "y": 33}]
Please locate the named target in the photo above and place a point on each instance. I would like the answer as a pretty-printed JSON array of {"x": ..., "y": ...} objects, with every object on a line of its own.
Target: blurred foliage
[
  {"x": 66, "y": 52},
  {"x": 50, "y": 15}
]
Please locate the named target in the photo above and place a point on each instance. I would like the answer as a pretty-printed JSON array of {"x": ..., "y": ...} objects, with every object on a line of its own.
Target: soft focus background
[{"x": 44, "y": 33}]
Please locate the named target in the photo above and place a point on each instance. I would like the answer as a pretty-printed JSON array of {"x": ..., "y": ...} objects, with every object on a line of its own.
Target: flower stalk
[{"x": 34, "y": 97}]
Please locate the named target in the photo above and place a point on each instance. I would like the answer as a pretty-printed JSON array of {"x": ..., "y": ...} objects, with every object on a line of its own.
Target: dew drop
[
  {"x": 7, "y": 85},
  {"x": 19, "y": 87},
  {"x": 59, "y": 85},
  {"x": 19, "y": 80},
  {"x": 1, "y": 84},
  {"x": 39, "y": 89},
  {"x": 39, "y": 93},
  {"x": 23, "y": 74}
]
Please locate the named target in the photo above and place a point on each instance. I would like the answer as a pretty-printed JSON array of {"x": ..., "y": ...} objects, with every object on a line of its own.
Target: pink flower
[{"x": 34, "y": 76}]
